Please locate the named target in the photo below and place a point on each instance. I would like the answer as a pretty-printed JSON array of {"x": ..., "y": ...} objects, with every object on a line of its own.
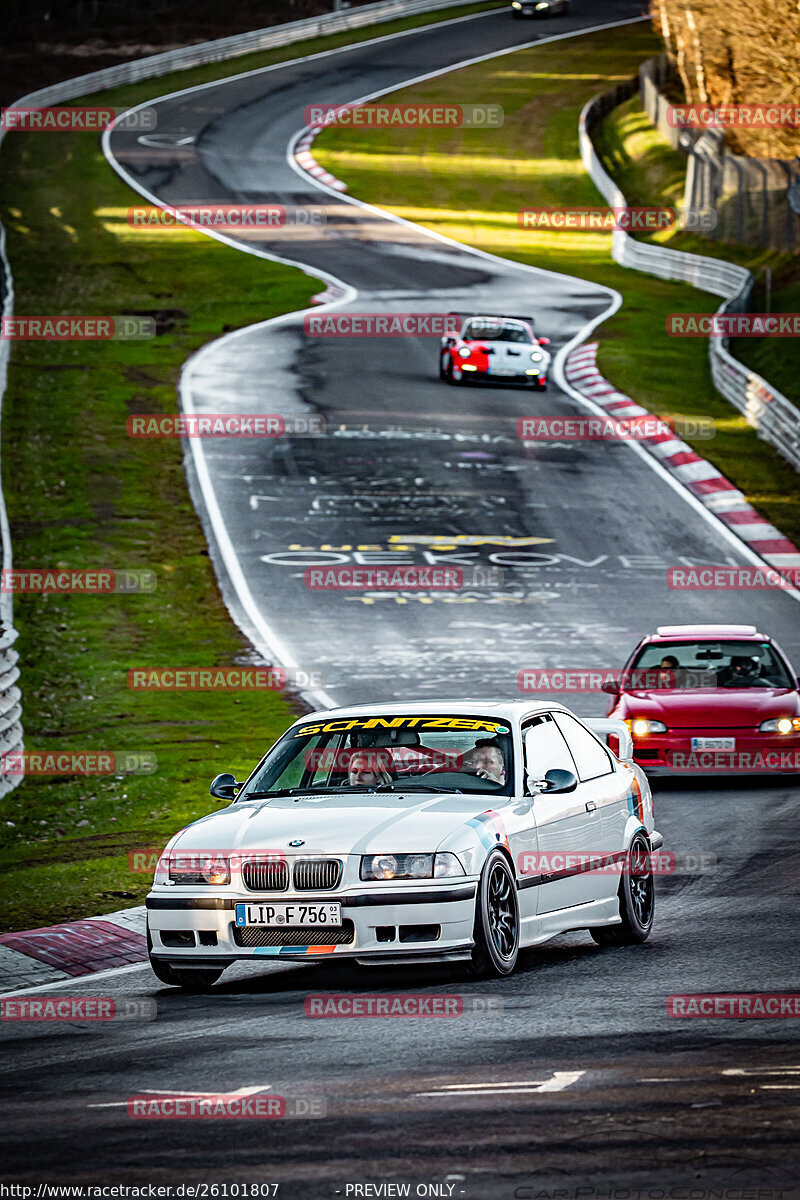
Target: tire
[
  {"x": 637, "y": 901},
  {"x": 496, "y": 931},
  {"x": 190, "y": 980}
]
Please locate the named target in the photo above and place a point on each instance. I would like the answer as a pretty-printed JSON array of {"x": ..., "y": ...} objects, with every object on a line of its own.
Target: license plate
[
  {"x": 718, "y": 743},
  {"x": 503, "y": 371},
  {"x": 288, "y": 915}
]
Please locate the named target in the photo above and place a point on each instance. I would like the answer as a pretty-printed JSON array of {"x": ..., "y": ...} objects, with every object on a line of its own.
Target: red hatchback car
[{"x": 709, "y": 698}]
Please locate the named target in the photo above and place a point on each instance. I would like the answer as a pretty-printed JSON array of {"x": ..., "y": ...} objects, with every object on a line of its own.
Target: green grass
[
  {"x": 80, "y": 492},
  {"x": 471, "y": 187},
  {"x": 83, "y": 494}
]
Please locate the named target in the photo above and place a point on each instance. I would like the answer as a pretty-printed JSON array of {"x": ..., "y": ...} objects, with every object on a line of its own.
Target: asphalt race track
[{"x": 570, "y": 1074}]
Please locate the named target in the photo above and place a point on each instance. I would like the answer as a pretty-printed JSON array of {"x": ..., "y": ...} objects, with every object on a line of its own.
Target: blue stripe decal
[{"x": 479, "y": 824}]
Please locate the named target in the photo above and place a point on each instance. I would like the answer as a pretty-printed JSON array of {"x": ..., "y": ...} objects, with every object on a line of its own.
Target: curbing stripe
[{"x": 691, "y": 470}]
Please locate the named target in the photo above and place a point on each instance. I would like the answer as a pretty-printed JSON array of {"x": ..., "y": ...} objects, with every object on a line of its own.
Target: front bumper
[
  {"x": 377, "y": 926},
  {"x": 754, "y": 754},
  {"x": 515, "y": 380}
]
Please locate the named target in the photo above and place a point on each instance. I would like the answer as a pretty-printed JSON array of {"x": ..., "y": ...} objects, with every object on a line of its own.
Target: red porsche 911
[{"x": 710, "y": 698}]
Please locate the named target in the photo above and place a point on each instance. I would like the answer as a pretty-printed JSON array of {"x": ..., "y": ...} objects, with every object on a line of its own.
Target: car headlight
[
  {"x": 198, "y": 869},
  {"x": 541, "y": 5},
  {"x": 641, "y": 726},
  {"x": 375, "y": 867},
  {"x": 780, "y": 725},
  {"x": 464, "y": 352},
  {"x": 516, "y": 4},
  {"x": 536, "y": 357}
]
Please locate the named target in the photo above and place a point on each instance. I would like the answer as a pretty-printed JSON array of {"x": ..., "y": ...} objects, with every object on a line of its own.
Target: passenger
[
  {"x": 486, "y": 760},
  {"x": 369, "y": 768},
  {"x": 666, "y": 672}
]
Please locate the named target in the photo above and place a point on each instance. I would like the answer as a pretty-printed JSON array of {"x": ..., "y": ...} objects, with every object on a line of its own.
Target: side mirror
[
  {"x": 447, "y": 340},
  {"x": 224, "y": 787},
  {"x": 544, "y": 341},
  {"x": 611, "y": 687},
  {"x": 556, "y": 781}
]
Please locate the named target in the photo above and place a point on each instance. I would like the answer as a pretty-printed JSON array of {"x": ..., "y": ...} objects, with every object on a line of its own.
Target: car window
[
  {"x": 706, "y": 663},
  {"x": 494, "y": 332},
  {"x": 591, "y": 758},
  {"x": 545, "y": 748},
  {"x": 407, "y": 751}
]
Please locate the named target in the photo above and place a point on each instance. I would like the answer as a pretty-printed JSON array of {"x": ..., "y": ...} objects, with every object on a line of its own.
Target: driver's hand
[{"x": 482, "y": 773}]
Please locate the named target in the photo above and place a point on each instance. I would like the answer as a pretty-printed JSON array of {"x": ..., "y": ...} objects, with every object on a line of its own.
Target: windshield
[
  {"x": 705, "y": 664},
  {"x": 391, "y": 753},
  {"x": 484, "y": 330}
]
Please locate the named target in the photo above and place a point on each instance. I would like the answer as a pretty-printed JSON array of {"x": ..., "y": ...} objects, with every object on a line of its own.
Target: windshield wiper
[
  {"x": 427, "y": 787},
  {"x": 277, "y": 792}
]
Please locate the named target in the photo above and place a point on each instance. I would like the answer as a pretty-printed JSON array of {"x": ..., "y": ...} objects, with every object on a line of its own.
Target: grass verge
[
  {"x": 470, "y": 186},
  {"x": 81, "y": 493}
]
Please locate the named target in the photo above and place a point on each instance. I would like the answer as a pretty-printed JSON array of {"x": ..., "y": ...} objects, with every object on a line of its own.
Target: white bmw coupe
[{"x": 450, "y": 830}]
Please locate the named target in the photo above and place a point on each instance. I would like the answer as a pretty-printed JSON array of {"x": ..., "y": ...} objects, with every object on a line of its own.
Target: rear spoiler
[
  {"x": 603, "y": 726},
  {"x": 497, "y": 316}
]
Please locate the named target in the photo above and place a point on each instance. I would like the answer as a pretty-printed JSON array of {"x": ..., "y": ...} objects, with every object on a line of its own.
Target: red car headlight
[
  {"x": 641, "y": 726},
  {"x": 780, "y": 725}
]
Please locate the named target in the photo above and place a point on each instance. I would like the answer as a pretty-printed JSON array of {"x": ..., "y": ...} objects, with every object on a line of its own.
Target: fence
[
  {"x": 749, "y": 195},
  {"x": 766, "y": 409}
]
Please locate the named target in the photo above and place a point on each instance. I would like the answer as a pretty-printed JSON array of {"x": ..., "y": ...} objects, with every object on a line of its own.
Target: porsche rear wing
[
  {"x": 494, "y": 316},
  {"x": 605, "y": 726}
]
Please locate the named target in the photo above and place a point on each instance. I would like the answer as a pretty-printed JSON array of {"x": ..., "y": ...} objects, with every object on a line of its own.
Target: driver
[
  {"x": 369, "y": 768},
  {"x": 743, "y": 669},
  {"x": 486, "y": 760}
]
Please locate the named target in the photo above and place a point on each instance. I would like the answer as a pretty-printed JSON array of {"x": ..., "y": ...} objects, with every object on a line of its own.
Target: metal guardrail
[
  {"x": 226, "y": 48},
  {"x": 10, "y": 695},
  {"x": 775, "y": 418}
]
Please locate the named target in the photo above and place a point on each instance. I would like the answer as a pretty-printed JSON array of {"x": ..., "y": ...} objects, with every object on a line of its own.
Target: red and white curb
[
  {"x": 55, "y": 952},
  {"x": 306, "y": 161},
  {"x": 697, "y": 474}
]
